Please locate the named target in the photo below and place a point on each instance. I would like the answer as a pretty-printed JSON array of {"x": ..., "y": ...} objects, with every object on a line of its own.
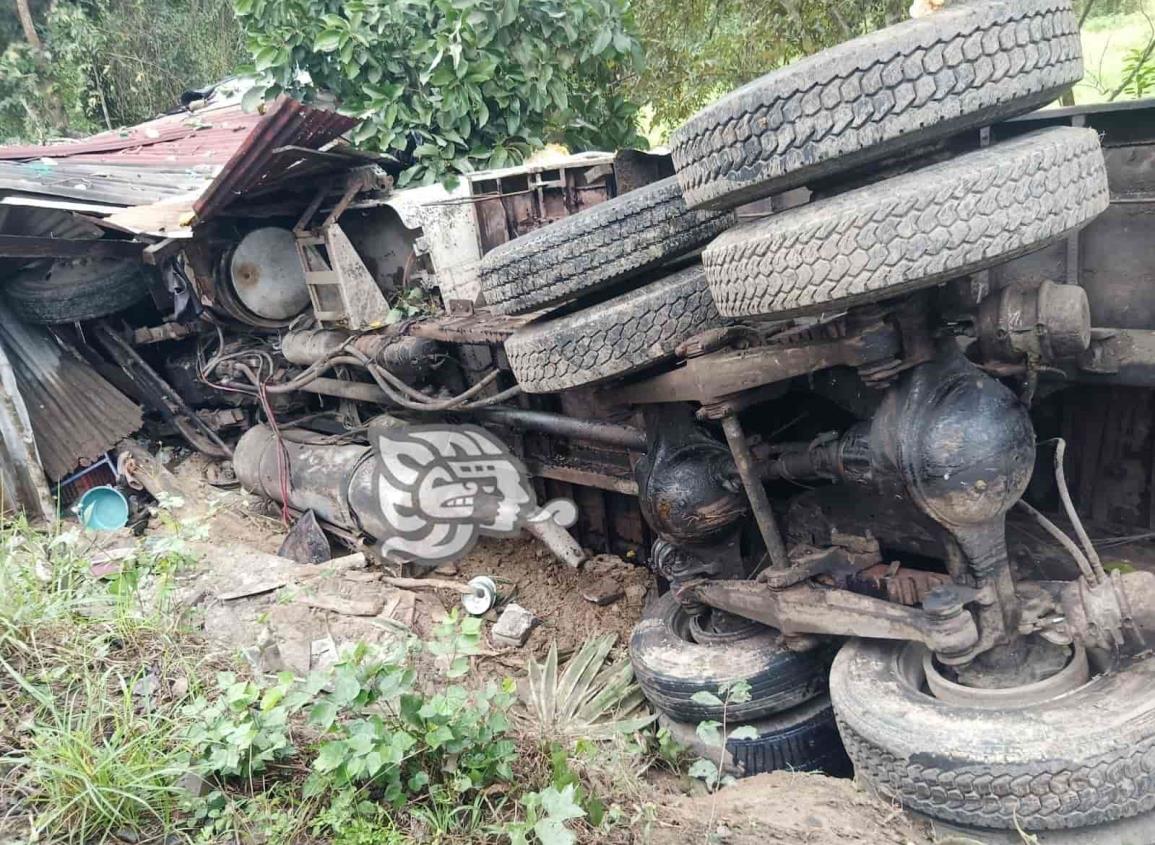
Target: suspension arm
[{"x": 807, "y": 609}]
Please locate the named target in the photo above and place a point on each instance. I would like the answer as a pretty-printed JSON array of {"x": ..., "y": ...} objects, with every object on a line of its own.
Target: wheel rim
[{"x": 916, "y": 668}]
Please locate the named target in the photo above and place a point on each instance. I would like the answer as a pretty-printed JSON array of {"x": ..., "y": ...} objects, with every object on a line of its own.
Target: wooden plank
[{"x": 23, "y": 246}]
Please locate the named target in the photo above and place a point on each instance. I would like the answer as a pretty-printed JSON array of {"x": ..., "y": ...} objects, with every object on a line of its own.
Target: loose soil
[
  {"x": 526, "y": 573},
  {"x": 786, "y": 807},
  {"x": 778, "y": 807}
]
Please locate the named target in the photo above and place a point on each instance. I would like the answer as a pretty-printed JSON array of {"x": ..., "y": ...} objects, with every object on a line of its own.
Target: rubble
[
  {"x": 603, "y": 591},
  {"x": 513, "y": 626}
]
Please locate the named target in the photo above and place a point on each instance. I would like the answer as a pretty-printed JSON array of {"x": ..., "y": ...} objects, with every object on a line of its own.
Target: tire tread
[
  {"x": 910, "y": 83},
  {"x": 609, "y": 242}
]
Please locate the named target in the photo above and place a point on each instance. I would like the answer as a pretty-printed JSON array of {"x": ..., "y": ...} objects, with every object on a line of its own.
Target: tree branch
[
  {"x": 1086, "y": 12},
  {"x": 28, "y": 25},
  {"x": 1143, "y": 57}
]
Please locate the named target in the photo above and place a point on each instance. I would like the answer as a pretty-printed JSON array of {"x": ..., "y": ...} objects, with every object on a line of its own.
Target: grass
[
  {"x": 95, "y": 764},
  {"x": 85, "y": 741},
  {"x": 106, "y": 699}
]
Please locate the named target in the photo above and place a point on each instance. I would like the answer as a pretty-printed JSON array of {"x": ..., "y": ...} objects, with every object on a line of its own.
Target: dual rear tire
[{"x": 788, "y": 708}]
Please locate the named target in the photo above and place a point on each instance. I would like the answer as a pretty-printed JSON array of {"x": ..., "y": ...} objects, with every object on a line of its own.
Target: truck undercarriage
[{"x": 900, "y": 404}]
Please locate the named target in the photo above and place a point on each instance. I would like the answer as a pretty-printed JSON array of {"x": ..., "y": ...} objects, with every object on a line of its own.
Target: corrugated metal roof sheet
[
  {"x": 76, "y": 414},
  {"x": 117, "y": 185},
  {"x": 22, "y": 482},
  {"x": 262, "y": 159},
  {"x": 42, "y": 223},
  {"x": 206, "y": 137},
  {"x": 220, "y": 150}
]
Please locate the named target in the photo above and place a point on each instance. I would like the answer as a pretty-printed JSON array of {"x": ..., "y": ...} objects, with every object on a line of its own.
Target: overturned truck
[{"x": 862, "y": 371}]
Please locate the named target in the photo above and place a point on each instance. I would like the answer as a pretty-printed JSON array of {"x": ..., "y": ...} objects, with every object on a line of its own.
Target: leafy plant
[
  {"x": 711, "y": 732},
  {"x": 546, "y": 815},
  {"x": 1139, "y": 70},
  {"x": 452, "y": 86},
  {"x": 455, "y": 641},
  {"x": 591, "y": 699},
  {"x": 243, "y": 728}
]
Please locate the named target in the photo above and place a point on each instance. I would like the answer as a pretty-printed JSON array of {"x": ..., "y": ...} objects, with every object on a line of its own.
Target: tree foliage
[
  {"x": 110, "y": 63},
  {"x": 450, "y": 86},
  {"x": 698, "y": 50}
]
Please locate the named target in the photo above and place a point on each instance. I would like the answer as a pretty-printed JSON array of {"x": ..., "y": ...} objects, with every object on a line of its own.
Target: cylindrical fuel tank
[{"x": 337, "y": 482}]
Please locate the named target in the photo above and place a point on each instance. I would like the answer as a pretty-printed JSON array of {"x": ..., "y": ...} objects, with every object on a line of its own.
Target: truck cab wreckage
[{"x": 824, "y": 369}]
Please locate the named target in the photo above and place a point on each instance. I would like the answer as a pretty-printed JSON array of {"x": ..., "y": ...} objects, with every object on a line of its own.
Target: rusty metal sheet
[
  {"x": 206, "y": 137},
  {"x": 76, "y": 414},
  {"x": 211, "y": 156},
  {"x": 267, "y": 156},
  {"x": 584, "y": 476}
]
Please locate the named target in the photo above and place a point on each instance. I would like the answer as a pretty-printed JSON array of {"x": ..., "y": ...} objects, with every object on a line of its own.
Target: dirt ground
[
  {"x": 282, "y": 626},
  {"x": 786, "y": 807},
  {"x": 526, "y": 573}
]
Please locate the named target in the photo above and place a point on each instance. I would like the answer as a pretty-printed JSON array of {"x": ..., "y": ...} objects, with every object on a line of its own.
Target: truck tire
[
  {"x": 902, "y": 87},
  {"x": 802, "y": 739},
  {"x": 610, "y": 242},
  {"x": 912, "y": 231},
  {"x": 1080, "y": 759},
  {"x": 72, "y": 290},
  {"x": 614, "y": 338},
  {"x": 671, "y": 668}
]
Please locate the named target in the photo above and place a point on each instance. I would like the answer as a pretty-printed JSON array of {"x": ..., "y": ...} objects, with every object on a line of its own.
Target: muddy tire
[
  {"x": 803, "y": 739},
  {"x": 899, "y": 88},
  {"x": 608, "y": 243},
  {"x": 912, "y": 231},
  {"x": 1084, "y": 758},
  {"x": 614, "y": 338},
  {"x": 70, "y": 291},
  {"x": 670, "y": 668}
]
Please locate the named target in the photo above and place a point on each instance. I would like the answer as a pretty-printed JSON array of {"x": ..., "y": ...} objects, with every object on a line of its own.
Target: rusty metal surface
[
  {"x": 596, "y": 431},
  {"x": 806, "y": 609},
  {"x": 206, "y": 137},
  {"x": 269, "y": 153},
  {"x": 159, "y": 395},
  {"x": 468, "y": 328},
  {"x": 1124, "y": 357},
  {"x": 510, "y": 203},
  {"x": 718, "y": 375},
  {"x": 218, "y": 153},
  {"x": 76, "y": 415},
  {"x": 584, "y": 476}
]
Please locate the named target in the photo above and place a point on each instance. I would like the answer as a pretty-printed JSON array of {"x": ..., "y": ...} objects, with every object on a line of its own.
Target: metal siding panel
[{"x": 75, "y": 413}]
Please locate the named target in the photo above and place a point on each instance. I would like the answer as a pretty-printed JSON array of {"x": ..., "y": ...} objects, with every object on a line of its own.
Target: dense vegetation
[{"x": 453, "y": 85}]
